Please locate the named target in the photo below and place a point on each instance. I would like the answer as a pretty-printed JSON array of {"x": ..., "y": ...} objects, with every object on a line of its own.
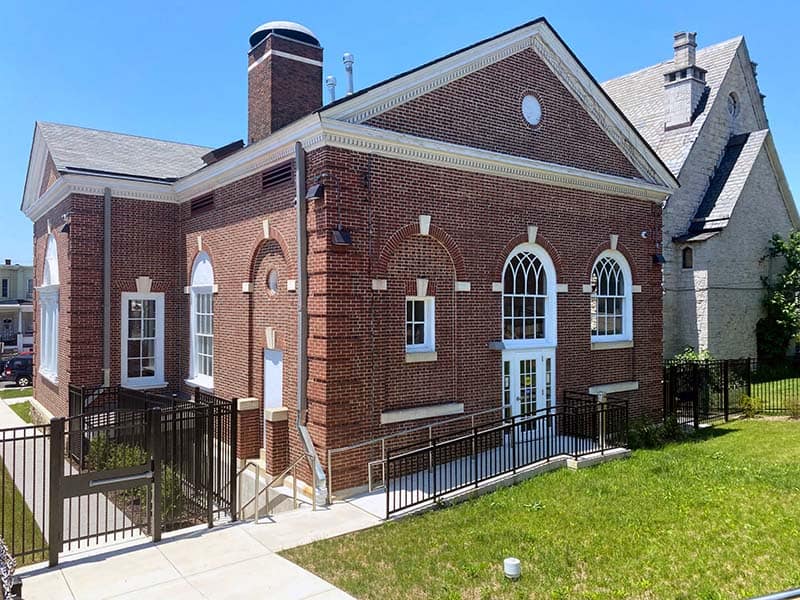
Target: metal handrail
[
  {"x": 383, "y": 439},
  {"x": 271, "y": 483}
]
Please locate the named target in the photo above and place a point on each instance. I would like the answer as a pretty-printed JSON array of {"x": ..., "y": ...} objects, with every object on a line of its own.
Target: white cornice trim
[
  {"x": 95, "y": 185},
  {"x": 558, "y": 58},
  {"x": 36, "y": 168},
  {"x": 780, "y": 176},
  {"x": 362, "y": 138},
  {"x": 268, "y": 53}
]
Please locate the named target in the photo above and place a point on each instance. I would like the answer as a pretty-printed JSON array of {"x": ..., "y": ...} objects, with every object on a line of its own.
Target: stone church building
[
  {"x": 703, "y": 113},
  {"x": 476, "y": 232}
]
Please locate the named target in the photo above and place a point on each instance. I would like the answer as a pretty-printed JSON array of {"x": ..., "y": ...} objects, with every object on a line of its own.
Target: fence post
[
  {"x": 475, "y": 454},
  {"x": 749, "y": 377},
  {"x": 696, "y": 395},
  {"x": 154, "y": 419},
  {"x": 513, "y": 443},
  {"x": 55, "y": 538},
  {"x": 234, "y": 442},
  {"x": 433, "y": 469},
  {"x": 725, "y": 389},
  {"x": 210, "y": 465}
]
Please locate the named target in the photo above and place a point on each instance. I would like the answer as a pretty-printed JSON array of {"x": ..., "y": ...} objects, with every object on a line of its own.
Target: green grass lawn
[
  {"x": 9, "y": 393},
  {"x": 16, "y": 517},
  {"x": 23, "y": 410},
  {"x": 713, "y": 518}
]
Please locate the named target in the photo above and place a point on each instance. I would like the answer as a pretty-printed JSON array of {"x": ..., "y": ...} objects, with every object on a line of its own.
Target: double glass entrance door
[{"x": 528, "y": 382}]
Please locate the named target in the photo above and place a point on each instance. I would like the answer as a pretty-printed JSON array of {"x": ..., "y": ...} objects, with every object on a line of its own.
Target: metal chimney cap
[
  {"x": 348, "y": 58},
  {"x": 330, "y": 81},
  {"x": 288, "y": 29}
]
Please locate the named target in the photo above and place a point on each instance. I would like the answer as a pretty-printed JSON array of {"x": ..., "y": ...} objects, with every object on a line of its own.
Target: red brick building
[{"x": 479, "y": 230}]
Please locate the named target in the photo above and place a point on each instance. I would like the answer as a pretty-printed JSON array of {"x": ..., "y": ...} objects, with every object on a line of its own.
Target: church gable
[{"x": 484, "y": 109}]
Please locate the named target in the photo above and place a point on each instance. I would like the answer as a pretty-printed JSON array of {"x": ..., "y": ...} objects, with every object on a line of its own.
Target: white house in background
[
  {"x": 16, "y": 306},
  {"x": 703, "y": 114}
]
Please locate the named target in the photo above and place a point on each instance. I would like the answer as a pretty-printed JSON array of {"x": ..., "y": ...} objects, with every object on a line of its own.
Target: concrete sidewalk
[{"x": 236, "y": 560}]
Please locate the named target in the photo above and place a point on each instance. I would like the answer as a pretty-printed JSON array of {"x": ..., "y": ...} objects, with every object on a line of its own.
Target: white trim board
[
  {"x": 611, "y": 388},
  {"x": 421, "y": 412}
]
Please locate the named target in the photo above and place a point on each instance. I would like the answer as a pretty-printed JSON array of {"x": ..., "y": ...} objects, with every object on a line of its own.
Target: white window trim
[
  {"x": 430, "y": 324},
  {"x": 205, "y": 286},
  {"x": 627, "y": 302},
  {"x": 550, "y": 339},
  {"x": 142, "y": 382},
  {"x": 48, "y": 336}
]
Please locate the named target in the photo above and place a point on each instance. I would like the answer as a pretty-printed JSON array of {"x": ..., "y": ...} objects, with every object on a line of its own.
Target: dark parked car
[{"x": 19, "y": 369}]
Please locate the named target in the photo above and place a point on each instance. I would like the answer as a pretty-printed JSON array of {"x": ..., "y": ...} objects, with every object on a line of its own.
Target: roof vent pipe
[
  {"x": 348, "y": 60},
  {"x": 330, "y": 83}
]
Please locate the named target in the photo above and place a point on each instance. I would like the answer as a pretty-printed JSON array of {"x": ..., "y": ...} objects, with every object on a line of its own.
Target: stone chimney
[
  {"x": 284, "y": 77},
  {"x": 684, "y": 83}
]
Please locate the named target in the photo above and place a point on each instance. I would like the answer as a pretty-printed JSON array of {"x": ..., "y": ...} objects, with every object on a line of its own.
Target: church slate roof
[
  {"x": 78, "y": 149},
  {"x": 640, "y": 95}
]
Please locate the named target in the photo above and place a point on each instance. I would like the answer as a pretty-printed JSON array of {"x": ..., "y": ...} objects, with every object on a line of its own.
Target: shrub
[
  {"x": 644, "y": 434},
  {"x": 106, "y": 454},
  {"x": 689, "y": 354},
  {"x": 793, "y": 407},
  {"x": 750, "y": 406}
]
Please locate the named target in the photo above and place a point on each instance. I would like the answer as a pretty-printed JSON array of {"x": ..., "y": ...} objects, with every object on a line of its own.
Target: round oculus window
[
  {"x": 531, "y": 110},
  {"x": 272, "y": 282}
]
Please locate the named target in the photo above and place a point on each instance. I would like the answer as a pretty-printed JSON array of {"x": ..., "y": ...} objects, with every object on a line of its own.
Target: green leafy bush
[
  {"x": 645, "y": 434},
  {"x": 689, "y": 354},
  {"x": 105, "y": 454},
  {"x": 750, "y": 406},
  {"x": 793, "y": 407}
]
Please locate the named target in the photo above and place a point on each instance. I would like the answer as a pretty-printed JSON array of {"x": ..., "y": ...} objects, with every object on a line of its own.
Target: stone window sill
[
  {"x": 612, "y": 345},
  {"x": 417, "y": 357}
]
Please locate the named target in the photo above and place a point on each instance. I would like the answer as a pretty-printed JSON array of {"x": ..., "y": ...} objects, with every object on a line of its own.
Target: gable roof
[
  {"x": 640, "y": 95},
  {"x": 537, "y": 34},
  {"x": 90, "y": 150}
]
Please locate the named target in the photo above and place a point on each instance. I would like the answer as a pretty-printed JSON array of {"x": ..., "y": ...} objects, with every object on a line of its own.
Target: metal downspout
[
  {"x": 302, "y": 319},
  {"x": 107, "y": 287}
]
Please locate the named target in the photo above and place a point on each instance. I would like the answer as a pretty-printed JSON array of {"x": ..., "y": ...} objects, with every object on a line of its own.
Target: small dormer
[{"x": 684, "y": 83}]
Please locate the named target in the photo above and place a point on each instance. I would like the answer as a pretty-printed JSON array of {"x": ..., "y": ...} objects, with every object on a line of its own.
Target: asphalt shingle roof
[
  {"x": 80, "y": 149},
  {"x": 640, "y": 95}
]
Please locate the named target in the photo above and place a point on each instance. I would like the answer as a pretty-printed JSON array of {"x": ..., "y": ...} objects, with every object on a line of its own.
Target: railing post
[
  {"x": 210, "y": 465},
  {"x": 548, "y": 428},
  {"x": 234, "y": 443},
  {"x": 433, "y": 468},
  {"x": 725, "y": 390},
  {"x": 154, "y": 418},
  {"x": 55, "y": 538},
  {"x": 749, "y": 377},
  {"x": 475, "y": 454},
  {"x": 513, "y": 444},
  {"x": 330, "y": 477},
  {"x": 696, "y": 395}
]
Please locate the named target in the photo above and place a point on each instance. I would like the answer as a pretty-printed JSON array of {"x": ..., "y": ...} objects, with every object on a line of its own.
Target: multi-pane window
[
  {"x": 611, "y": 299},
  {"x": 204, "y": 334},
  {"x": 30, "y": 288},
  {"x": 201, "y": 361},
  {"x": 143, "y": 339},
  {"x": 524, "y": 298},
  {"x": 48, "y": 314},
  {"x": 419, "y": 324}
]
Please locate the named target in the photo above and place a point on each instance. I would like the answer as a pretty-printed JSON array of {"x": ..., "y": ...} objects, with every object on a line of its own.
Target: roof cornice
[
  {"x": 390, "y": 144},
  {"x": 780, "y": 176}
]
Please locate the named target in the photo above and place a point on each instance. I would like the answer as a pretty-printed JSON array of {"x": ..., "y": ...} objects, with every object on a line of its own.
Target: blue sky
[{"x": 177, "y": 70}]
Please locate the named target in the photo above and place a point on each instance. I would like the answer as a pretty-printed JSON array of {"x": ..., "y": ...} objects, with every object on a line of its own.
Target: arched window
[
  {"x": 529, "y": 297},
  {"x": 201, "y": 362},
  {"x": 611, "y": 303},
  {"x": 48, "y": 313},
  {"x": 688, "y": 258}
]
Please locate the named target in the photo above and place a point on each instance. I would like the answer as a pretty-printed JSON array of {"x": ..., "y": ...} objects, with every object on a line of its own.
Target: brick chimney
[
  {"x": 684, "y": 83},
  {"x": 284, "y": 77}
]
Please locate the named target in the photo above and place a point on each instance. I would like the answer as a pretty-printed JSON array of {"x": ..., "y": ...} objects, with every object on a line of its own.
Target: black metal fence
[
  {"x": 578, "y": 426},
  {"x": 128, "y": 464},
  {"x": 703, "y": 392}
]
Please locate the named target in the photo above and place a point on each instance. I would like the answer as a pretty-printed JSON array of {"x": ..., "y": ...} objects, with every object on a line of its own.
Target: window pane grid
[
  {"x": 141, "y": 343},
  {"x": 524, "y": 298},
  {"x": 415, "y": 322},
  {"x": 608, "y": 298},
  {"x": 204, "y": 334}
]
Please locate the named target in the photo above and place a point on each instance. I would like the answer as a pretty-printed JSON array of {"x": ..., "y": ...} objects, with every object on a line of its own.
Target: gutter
[
  {"x": 107, "y": 287},
  {"x": 302, "y": 320}
]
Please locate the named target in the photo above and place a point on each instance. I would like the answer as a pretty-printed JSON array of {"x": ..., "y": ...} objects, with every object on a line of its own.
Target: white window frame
[
  {"x": 48, "y": 314},
  {"x": 627, "y": 299},
  {"x": 202, "y": 283},
  {"x": 142, "y": 382},
  {"x": 429, "y": 325},
  {"x": 550, "y": 339}
]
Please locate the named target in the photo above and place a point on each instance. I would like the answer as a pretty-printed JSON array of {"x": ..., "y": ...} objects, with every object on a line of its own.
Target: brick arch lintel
[
  {"x": 276, "y": 236},
  {"x": 522, "y": 238},
  {"x": 410, "y": 230},
  {"x": 602, "y": 247}
]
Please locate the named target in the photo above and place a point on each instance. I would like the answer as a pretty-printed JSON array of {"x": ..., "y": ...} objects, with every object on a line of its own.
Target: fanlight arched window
[
  {"x": 528, "y": 296},
  {"x": 611, "y": 304},
  {"x": 48, "y": 313},
  {"x": 201, "y": 364}
]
